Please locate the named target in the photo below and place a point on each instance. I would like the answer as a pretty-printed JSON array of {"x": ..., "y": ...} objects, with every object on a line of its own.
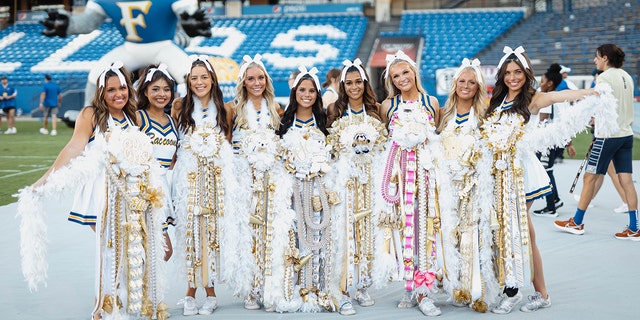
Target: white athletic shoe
[
  {"x": 44, "y": 131},
  {"x": 190, "y": 306},
  {"x": 210, "y": 304},
  {"x": 623, "y": 208},
  {"x": 54, "y": 132}
]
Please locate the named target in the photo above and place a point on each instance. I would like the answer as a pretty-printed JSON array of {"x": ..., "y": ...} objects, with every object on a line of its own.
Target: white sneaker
[
  {"x": 506, "y": 303},
  {"x": 251, "y": 304},
  {"x": 54, "y": 132},
  {"x": 7, "y": 132},
  {"x": 407, "y": 301},
  {"x": 363, "y": 298},
  {"x": 577, "y": 197},
  {"x": 346, "y": 307},
  {"x": 210, "y": 304},
  {"x": 623, "y": 208},
  {"x": 14, "y": 130},
  {"x": 44, "y": 131},
  {"x": 190, "y": 306},
  {"x": 428, "y": 308},
  {"x": 536, "y": 301}
]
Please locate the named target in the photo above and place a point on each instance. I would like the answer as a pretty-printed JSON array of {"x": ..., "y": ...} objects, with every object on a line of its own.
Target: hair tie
[
  {"x": 517, "y": 52},
  {"x": 312, "y": 73},
  {"x": 162, "y": 68},
  {"x": 400, "y": 55},
  {"x": 247, "y": 61},
  {"x": 348, "y": 64},
  {"x": 115, "y": 67},
  {"x": 466, "y": 63},
  {"x": 203, "y": 58}
]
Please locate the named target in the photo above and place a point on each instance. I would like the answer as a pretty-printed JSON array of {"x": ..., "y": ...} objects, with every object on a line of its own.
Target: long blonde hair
[
  {"x": 392, "y": 91},
  {"x": 479, "y": 103},
  {"x": 242, "y": 97}
]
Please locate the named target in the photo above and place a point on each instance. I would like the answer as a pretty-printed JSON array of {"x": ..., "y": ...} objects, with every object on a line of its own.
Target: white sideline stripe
[
  {"x": 10, "y": 171},
  {"x": 23, "y": 172}
]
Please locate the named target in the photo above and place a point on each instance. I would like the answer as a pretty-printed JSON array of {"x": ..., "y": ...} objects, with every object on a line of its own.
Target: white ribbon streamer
[
  {"x": 400, "y": 55},
  {"x": 517, "y": 52},
  {"x": 466, "y": 63},
  {"x": 257, "y": 59},
  {"x": 115, "y": 67},
  {"x": 203, "y": 58},
  {"x": 162, "y": 68},
  {"x": 313, "y": 73},
  {"x": 348, "y": 64}
]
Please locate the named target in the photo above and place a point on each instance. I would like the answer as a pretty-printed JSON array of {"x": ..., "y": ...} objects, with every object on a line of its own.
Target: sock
[
  {"x": 577, "y": 218},
  {"x": 510, "y": 292},
  {"x": 633, "y": 220}
]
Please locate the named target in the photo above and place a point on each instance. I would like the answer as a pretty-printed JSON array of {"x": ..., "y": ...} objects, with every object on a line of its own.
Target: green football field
[{"x": 26, "y": 156}]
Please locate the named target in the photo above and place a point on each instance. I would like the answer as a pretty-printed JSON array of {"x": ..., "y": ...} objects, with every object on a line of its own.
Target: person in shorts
[
  {"x": 617, "y": 148},
  {"x": 50, "y": 99},
  {"x": 8, "y": 104}
]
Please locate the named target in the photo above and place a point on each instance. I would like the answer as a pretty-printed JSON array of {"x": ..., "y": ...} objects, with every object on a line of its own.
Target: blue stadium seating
[
  {"x": 451, "y": 35},
  {"x": 342, "y": 32}
]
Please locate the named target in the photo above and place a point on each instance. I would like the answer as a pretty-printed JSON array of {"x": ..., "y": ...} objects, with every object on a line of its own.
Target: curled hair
[
  {"x": 242, "y": 97},
  {"x": 317, "y": 109},
  {"x": 613, "y": 53},
  {"x": 368, "y": 100},
  {"x": 523, "y": 99},
  {"x": 185, "y": 117},
  {"x": 101, "y": 109},
  {"x": 479, "y": 103},
  {"x": 143, "y": 85},
  {"x": 553, "y": 74},
  {"x": 392, "y": 91}
]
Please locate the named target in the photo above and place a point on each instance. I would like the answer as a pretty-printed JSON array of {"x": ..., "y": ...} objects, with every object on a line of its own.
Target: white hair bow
[
  {"x": 115, "y": 67},
  {"x": 247, "y": 61},
  {"x": 348, "y": 64},
  {"x": 313, "y": 73},
  {"x": 162, "y": 68},
  {"x": 466, "y": 63},
  {"x": 517, "y": 52},
  {"x": 400, "y": 55},
  {"x": 203, "y": 58}
]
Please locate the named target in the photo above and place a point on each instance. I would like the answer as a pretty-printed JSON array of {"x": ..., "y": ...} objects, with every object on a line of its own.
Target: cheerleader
[
  {"x": 155, "y": 92},
  {"x": 357, "y": 137},
  {"x": 465, "y": 210},
  {"x": 122, "y": 200},
  {"x": 512, "y": 136},
  {"x": 411, "y": 219},
  {"x": 308, "y": 259},
  {"x": 256, "y": 120},
  {"x": 212, "y": 238}
]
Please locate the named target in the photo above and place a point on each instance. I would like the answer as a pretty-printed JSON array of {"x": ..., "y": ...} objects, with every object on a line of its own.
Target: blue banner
[{"x": 302, "y": 9}]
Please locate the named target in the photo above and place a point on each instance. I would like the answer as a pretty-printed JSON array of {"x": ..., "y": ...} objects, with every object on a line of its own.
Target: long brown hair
[
  {"x": 185, "y": 117},
  {"x": 101, "y": 109},
  {"x": 369, "y": 101},
  {"x": 523, "y": 99}
]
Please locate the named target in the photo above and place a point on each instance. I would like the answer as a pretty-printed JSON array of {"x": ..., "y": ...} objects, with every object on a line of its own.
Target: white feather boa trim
[
  {"x": 573, "y": 120},
  {"x": 236, "y": 259},
  {"x": 32, "y": 210}
]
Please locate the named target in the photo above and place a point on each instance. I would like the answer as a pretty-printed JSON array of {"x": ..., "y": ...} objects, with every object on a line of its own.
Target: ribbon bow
[
  {"x": 115, "y": 67},
  {"x": 466, "y": 63},
  {"x": 162, "y": 68},
  {"x": 400, "y": 55},
  {"x": 348, "y": 64},
  {"x": 424, "y": 278},
  {"x": 203, "y": 58},
  {"x": 517, "y": 52},
  {"x": 257, "y": 59},
  {"x": 312, "y": 73}
]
